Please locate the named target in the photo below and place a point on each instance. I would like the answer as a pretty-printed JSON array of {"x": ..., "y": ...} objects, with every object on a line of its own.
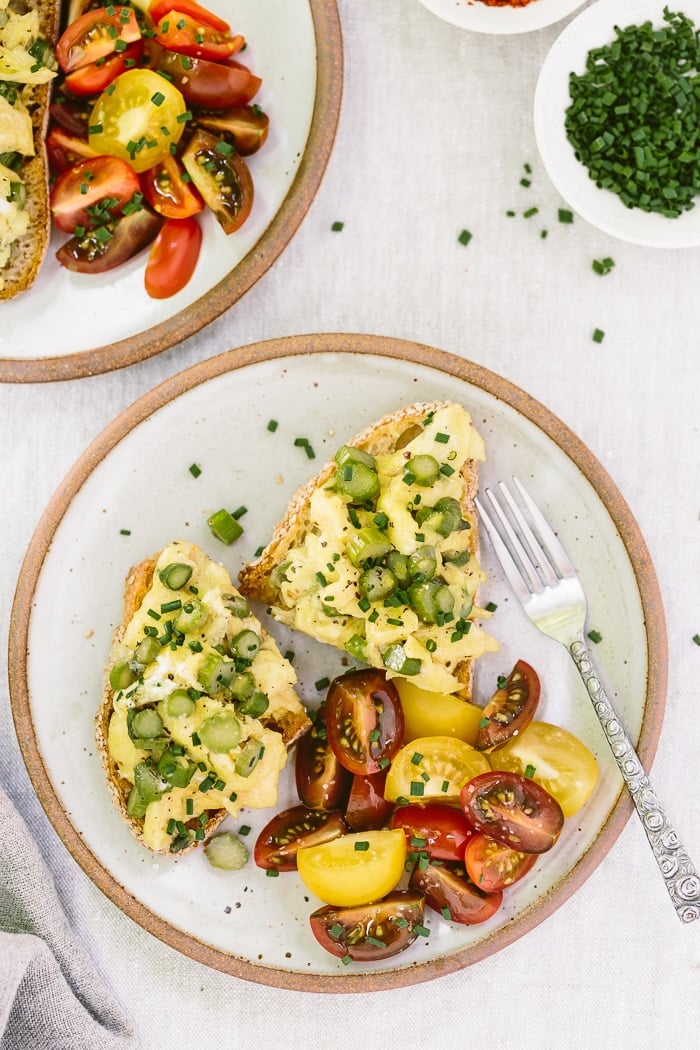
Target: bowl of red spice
[{"x": 502, "y": 16}]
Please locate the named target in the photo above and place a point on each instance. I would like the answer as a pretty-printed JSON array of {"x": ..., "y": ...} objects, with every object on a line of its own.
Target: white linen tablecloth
[{"x": 435, "y": 130}]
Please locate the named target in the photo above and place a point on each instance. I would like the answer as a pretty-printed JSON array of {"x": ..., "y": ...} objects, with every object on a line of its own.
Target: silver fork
[{"x": 542, "y": 576}]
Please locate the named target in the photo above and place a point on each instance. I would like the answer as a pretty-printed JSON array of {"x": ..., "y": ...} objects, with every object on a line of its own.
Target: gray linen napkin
[{"x": 50, "y": 995}]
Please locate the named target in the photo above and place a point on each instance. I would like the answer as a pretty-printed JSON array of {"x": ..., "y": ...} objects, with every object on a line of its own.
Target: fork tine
[
  {"x": 560, "y": 559},
  {"x": 539, "y": 555},
  {"x": 508, "y": 563},
  {"x": 516, "y": 554}
]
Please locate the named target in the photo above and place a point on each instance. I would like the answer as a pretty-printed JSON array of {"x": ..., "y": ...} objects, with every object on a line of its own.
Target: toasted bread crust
[
  {"x": 29, "y": 251},
  {"x": 291, "y": 726},
  {"x": 386, "y": 435}
]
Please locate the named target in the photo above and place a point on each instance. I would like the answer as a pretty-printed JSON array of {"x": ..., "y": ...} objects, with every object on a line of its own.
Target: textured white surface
[{"x": 435, "y": 130}]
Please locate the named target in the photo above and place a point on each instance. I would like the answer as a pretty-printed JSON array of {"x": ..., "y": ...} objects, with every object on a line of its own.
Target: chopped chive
[
  {"x": 272, "y": 425},
  {"x": 195, "y": 471},
  {"x": 595, "y": 636},
  {"x": 564, "y": 215},
  {"x": 362, "y": 846},
  {"x": 529, "y": 212},
  {"x": 491, "y": 607},
  {"x": 322, "y": 683},
  {"x": 696, "y": 639},
  {"x": 529, "y": 770},
  {"x": 125, "y": 532},
  {"x": 465, "y": 237},
  {"x": 336, "y": 227},
  {"x": 598, "y": 335}
]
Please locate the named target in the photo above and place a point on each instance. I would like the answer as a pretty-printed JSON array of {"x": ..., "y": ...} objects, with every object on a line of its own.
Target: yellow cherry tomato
[
  {"x": 354, "y": 869},
  {"x": 138, "y": 118},
  {"x": 433, "y": 767},
  {"x": 436, "y": 714},
  {"x": 553, "y": 757}
]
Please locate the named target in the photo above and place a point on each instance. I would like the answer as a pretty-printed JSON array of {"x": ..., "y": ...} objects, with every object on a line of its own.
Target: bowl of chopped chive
[
  {"x": 617, "y": 119},
  {"x": 502, "y": 16}
]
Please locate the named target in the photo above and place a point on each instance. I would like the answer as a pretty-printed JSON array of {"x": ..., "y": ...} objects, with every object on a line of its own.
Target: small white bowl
[
  {"x": 593, "y": 28},
  {"x": 484, "y": 18}
]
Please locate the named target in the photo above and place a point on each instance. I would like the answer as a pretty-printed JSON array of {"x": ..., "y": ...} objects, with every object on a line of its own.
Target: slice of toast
[
  {"x": 175, "y": 660},
  {"x": 327, "y": 569}
]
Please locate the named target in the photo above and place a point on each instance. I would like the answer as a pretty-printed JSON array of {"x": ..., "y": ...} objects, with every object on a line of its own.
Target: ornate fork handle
[{"x": 681, "y": 878}]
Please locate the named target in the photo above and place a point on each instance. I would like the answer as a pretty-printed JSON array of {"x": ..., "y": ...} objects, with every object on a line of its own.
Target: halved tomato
[
  {"x": 492, "y": 865},
  {"x": 354, "y": 869},
  {"x": 364, "y": 720},
  {"x": 94, "y": 78},
  {"x": 510, "y": 709},
  {"x": 95, "y": 35},
  {"x": 514, "y": 810},
  {"x": 366, "y": 808},
  {"x": 321, "y": 781},
  {"x": 194, "y": 36},
  {"x": 370, "y": 932},
  {"x": 449, "y": 891},
  {"x": 222, "y": 178},
  {"x": 64, "y": 150},
  {"x": 160, "y": 8},
  {"x": 246, "y": 126},
  {"x": 173, "y": 257},
  {"x": 433, "y": 767},
  {"x": 93, "y": 191},
  {"x": 439, "y": 830},
  {"x": 168, "y": 191},
  {"x": 109, "y": 246},
  {"x": 209, "y": 85},
  {"x": 436, "y": 714},
  {"x": 287, "y": 832}
]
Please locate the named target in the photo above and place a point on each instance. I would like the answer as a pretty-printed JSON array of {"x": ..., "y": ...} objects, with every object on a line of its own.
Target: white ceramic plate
[
  {"x": 485, "y": 18},
  {"x": 593, "y": 28},
  {"x": 70, "y": 324},
  {"x": 136, "y": 477}
]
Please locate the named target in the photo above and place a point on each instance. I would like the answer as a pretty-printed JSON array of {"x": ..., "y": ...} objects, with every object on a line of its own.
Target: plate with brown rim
[
  {"x": 69, "y": 325},
  {"x": 132, "y": 491}
]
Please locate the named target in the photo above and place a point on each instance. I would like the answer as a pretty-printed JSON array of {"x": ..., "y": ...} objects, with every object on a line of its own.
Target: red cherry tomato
[
  {"x": 322, "y": 783},
  {"x": 369, "y": 932},
  {"x": 514, "y": 810},
  {"x": 192, "y": 36},
  {"x": 93, "y": 253},
  {"x": 160, "y": 8},
  {"x": 438, "y": 830},
  {"x": 510, "y": 709},
  {"x": 94, "y": 78},
  {"x": 104, "y": 184},
  {"x": 168, "y": 192},
  {"x": 367, "y": 809},
  {"x": 449, "y": 890},
  {"x": 210, "y": 85},
  {"x": 292, "y": 829},
  {"x": 246, "y": 126},
  {"x": 364, "y": 719},
  {"x": 173, "y": 257},
  {"x": 492, "y": 865},
  {"x": 95, "y": 35},
  {"x": 65, "y": 150}
]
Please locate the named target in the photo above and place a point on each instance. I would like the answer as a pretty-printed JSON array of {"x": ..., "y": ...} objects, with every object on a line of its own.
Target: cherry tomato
[
  {"x": 279, "y": 841},
  {"x": 366, "y": 807},
  {"x": 510, "y": 709},
  {"x": 94, "y": 78},
  {"x": 364, "y": 720},
  {"x": 322, "y": 783},
  {"x": 99, "y": 186},
  {"x": 138, "y": 118},
  {"x": 354, "y": 869},
  {"x": 173, "y": 257},
  {"x": 193, "y": 36},
  {"x": 211, "y": 85},
  {"x": 159, "y": 8},
  {"x": 433, "y": 767},
  {"x": 439, "y": 830},
  {"x": 109, "y": 246},
  {"x": 245, "y": 126},
  {"x": 73, "y": 115},
  {"x": 95, "y": 35},
  {"x": 370, "y": 932},
  {"x": 64, "y": 150},
  {"x": 492, "y": 865},
  {"x": 449, "y": 890},
  {"x": 554, "y": 758},
  {"x": 222, "y": 178},
  {"x": 436, "y": 714},
  {"x": 514, "y": 810},
  {"x": 168, "y": 192}
]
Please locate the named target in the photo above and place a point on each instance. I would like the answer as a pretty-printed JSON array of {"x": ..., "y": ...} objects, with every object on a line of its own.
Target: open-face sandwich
[
  {"x": 199, "y": 705},
  {"x": 27, "y": 66},
  {"x": 378, "y": 554}
]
